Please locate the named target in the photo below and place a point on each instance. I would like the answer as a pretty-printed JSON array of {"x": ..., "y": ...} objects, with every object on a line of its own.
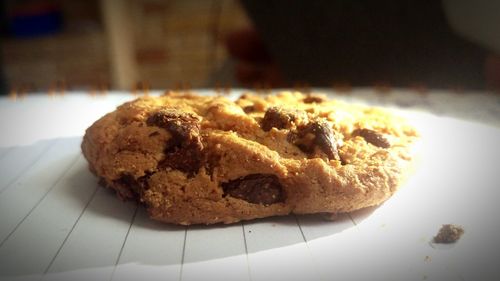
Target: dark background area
[
  {"x": 365, "y": 42},
  {"x": 50, "y": 45},
  {"x": 3, "y": 31}
]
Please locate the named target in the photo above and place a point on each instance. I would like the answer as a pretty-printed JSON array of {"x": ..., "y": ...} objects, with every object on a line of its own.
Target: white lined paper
[
  {"x": 277, "y": 250},
  {"x": 16, "y": 202},
  {"x": 218, "y": 252},
  {"x": 44, "y": 210},
  {"x": 91, "y": 250},
  {"x": 50, "y": 222},
  {"x": 153, "y": 251},
  {"x": 18, "y": 160}
]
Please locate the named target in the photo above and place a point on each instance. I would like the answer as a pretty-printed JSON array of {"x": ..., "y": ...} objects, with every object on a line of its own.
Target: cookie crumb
[
  {"x": 427, "y": 259},
  {"x": 449, "y": 233},
  {"x": 313, "y": 99}
]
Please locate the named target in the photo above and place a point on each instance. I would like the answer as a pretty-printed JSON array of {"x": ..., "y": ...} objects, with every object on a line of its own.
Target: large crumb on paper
[{"x": 449, "y": 233}]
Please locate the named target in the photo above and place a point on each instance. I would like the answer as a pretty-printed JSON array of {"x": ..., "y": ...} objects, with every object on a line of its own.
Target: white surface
[{"x": 57, "y": 224}]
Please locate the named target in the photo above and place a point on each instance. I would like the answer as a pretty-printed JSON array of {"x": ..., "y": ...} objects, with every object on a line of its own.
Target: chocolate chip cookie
[{"x": 206, "y": 159}]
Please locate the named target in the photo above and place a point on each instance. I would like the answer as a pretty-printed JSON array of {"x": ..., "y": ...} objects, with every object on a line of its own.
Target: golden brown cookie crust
[{"x": 205, "y": 159}]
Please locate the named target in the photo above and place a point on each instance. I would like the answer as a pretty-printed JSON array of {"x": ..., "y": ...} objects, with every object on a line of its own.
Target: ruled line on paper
[
  {"x": 31, "y": 248},
  {"x": 183, "y": 253},
  {"x": 350, "y": 217},
  {"x": 300, "y": 228},
  {"x": 216, "y": 250},
  {"x": 325, "y": 242},
  {"x": 26, "y": 167},
  {"x": 309, "y": 251},
  {"x": 41, "y": 199},
  {"x": 246, "y": 250},
  {"x": 71, "y": 230},
  {"x": 153, "y": 251},
  {"x": 274, "y": 243},
  {"x": 14, "y": 204},
  {"x": 124, "y": 242},
  {"x": 92, "y": 247}
]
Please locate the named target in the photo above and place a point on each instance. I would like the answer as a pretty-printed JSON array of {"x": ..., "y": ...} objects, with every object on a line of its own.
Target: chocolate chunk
[
  {"x": 249, "y": 109},
  {"x": 313, "y": 99},
  {"x": 256, "y": 188},
  {"x": 449, "y": 233},
  {"x": 182, "y": 125},
  {"x": 129, "y": 187},
  {"x": 102, "y": 182},
  {"x": 186, "y": 159},
  {"x": 317, "y": 134},
  {"x": 279, "y": 118},
  {"x": 129, "y": 181},
  {"x": 372, "y": 137},
  {"x": 184, "y": 151}
]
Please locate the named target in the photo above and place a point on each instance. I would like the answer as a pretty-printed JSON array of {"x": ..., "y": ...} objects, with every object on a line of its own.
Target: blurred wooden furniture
[
  {"x": 122, "y": 43},
  {"x": 118, "y": 30}
]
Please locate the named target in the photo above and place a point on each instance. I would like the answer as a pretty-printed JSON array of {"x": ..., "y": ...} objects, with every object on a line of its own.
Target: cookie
[{"x": 193, "y": 159}]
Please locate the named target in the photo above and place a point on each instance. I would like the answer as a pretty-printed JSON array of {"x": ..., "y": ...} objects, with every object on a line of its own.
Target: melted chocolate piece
[
  {"x": 279, "y": 118},
  {"x": 129, "y": 187},
  {"x": 317, "y": 134},
  {"x": 184, "y": 151},
  {"x": 373, "y": 137},
  {"x": 256, "y": 188},
  {"x": 249, "y": 109},
  {"x": 183, "y": 126}
]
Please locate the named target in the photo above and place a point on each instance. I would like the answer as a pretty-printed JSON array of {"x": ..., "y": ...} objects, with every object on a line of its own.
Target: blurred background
[{"x": 50, "y": 45}]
